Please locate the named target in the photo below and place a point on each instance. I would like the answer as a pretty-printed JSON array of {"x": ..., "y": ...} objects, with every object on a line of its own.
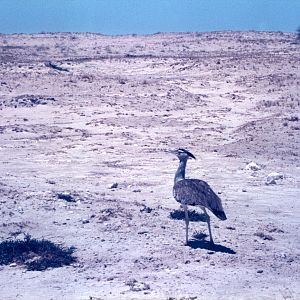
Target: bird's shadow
[
  {"x": 194, "y": 216},
  {"x": 202, "y": 244},
  {"x": 198, "y": 241}
]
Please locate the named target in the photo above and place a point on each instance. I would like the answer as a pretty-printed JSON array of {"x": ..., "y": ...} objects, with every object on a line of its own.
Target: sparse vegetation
[
  {"x": 264, "y": 236},
  {"x": 26, "y": 100},
  {"x": 288, "y": 102},
  {"x": 269, "y": 103},
  {"x": 36, "y": 255},
  {"x": 293, "y": 118},
  {"x": 108, "y": 50}
]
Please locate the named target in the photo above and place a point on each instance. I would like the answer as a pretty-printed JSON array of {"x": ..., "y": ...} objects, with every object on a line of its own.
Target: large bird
[{"x": 195, "y": 192}]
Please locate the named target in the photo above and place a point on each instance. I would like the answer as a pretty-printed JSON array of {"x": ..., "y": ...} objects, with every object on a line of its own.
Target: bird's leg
[
  {"x": 209, "y": 228},
  {"x": 186, "y": 223}
]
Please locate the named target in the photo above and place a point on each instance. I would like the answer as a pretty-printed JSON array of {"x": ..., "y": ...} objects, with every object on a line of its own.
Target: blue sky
[{"x": 147, "y": 16}]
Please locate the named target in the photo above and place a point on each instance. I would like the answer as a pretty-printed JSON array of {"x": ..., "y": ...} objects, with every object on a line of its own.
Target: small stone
[
  {"x": 253, "y": 166},
  {"x": 113, "y": 186},
  {"x": 260, "y": 271},
  {"x": 230, "y": 227},
  {"x": 110, "y": 278},
  {"x": 143, "y": 232},
  {"x": 13, "y": 265},
  {"x": 66, "y": 196},
  {"x": 85, "y": 221},
  {"x": 146, "y": 209},
  {"x": 136, "y": 286},
  {"x": 20, "y": 210},
  {"x": 272, "y": 177}
]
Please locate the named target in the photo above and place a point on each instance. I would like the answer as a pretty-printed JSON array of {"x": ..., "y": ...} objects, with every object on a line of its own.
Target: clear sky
[{"x": 147, "y": 16}]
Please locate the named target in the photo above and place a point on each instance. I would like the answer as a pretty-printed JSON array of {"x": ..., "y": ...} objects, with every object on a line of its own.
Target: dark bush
[{"x": 36, "y": 255}]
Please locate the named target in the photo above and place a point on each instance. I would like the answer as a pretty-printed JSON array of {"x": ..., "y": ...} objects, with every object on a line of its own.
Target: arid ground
[{"x": 93, "y": 116}]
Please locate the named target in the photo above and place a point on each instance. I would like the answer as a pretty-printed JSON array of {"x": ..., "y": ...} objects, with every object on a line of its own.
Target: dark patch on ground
[
  {"x": 36, "y": 255},
  {"x": 66, "y": 196}
]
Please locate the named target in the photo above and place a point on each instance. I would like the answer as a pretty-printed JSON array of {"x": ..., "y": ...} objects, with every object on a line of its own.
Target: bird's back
[{"x": 198, "y": 192}]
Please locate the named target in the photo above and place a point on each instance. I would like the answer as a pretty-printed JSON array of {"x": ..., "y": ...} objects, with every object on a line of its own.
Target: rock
[
  {"x": 66, "y": 196},
  {"x": 146, "y": 209},
  {"x": 113, "y": 186},
  {"x": 253, "y": 166},
  {"x": 20, "y": 210},
  {"x": 230, "y": 227},
  {"x": 272, "y": 177},
  {"x": 136, "y": 286},
  {"x": 264, "y": 236},
  {"x": 51, "y": 181},
  {"x": 13, "y": 265}
]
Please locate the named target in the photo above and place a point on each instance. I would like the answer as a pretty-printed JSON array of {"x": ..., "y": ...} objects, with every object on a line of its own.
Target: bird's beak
[{"x": 172, "y": 151}]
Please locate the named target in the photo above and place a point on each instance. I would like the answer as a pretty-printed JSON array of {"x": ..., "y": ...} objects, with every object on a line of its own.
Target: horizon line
[{"x": 149, "y": 34}]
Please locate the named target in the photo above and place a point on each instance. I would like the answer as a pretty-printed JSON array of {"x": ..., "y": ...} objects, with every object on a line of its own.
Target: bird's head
[{"x": 183, "y": 154}]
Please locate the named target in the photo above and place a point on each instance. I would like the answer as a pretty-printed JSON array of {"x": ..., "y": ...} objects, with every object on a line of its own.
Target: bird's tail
[{"x": 220, "y": 214}]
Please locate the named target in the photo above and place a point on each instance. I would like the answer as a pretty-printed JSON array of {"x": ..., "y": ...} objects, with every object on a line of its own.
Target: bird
[{"x": 195, "y": 192}]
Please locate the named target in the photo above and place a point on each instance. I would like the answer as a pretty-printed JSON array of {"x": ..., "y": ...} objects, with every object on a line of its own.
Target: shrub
[{"x": 36, "y": 255}]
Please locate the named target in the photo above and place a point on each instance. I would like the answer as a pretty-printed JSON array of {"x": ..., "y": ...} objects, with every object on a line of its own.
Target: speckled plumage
[{"x": 198, "y": 192}]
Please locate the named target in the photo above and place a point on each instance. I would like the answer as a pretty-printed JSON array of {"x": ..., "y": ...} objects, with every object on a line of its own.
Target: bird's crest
[{"x": 181, "y": 150}]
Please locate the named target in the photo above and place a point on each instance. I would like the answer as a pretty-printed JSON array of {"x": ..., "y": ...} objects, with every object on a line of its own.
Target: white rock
[
  {"x": 20, "y": 210},
  {"x": 13, "y": 265},
  {"x": 253, "y": 166},
  {"x": 85, "y": 221},
  {"x": 113, "y": 185},
  {"x": 272, "y": 177}
]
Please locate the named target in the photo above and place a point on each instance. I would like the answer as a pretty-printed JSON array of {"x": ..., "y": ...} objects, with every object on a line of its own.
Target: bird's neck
[{"x": 180, "y": 173}]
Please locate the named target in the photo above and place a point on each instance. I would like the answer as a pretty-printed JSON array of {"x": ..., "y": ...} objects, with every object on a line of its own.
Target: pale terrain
[{"x": 109, "y": 117}]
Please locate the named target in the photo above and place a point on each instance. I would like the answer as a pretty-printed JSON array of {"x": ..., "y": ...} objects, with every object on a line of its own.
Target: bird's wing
[{"x": 198, "y": 192}]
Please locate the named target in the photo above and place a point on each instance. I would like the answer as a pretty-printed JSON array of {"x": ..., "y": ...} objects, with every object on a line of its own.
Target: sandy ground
[{"x": 108, "y": 117}]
